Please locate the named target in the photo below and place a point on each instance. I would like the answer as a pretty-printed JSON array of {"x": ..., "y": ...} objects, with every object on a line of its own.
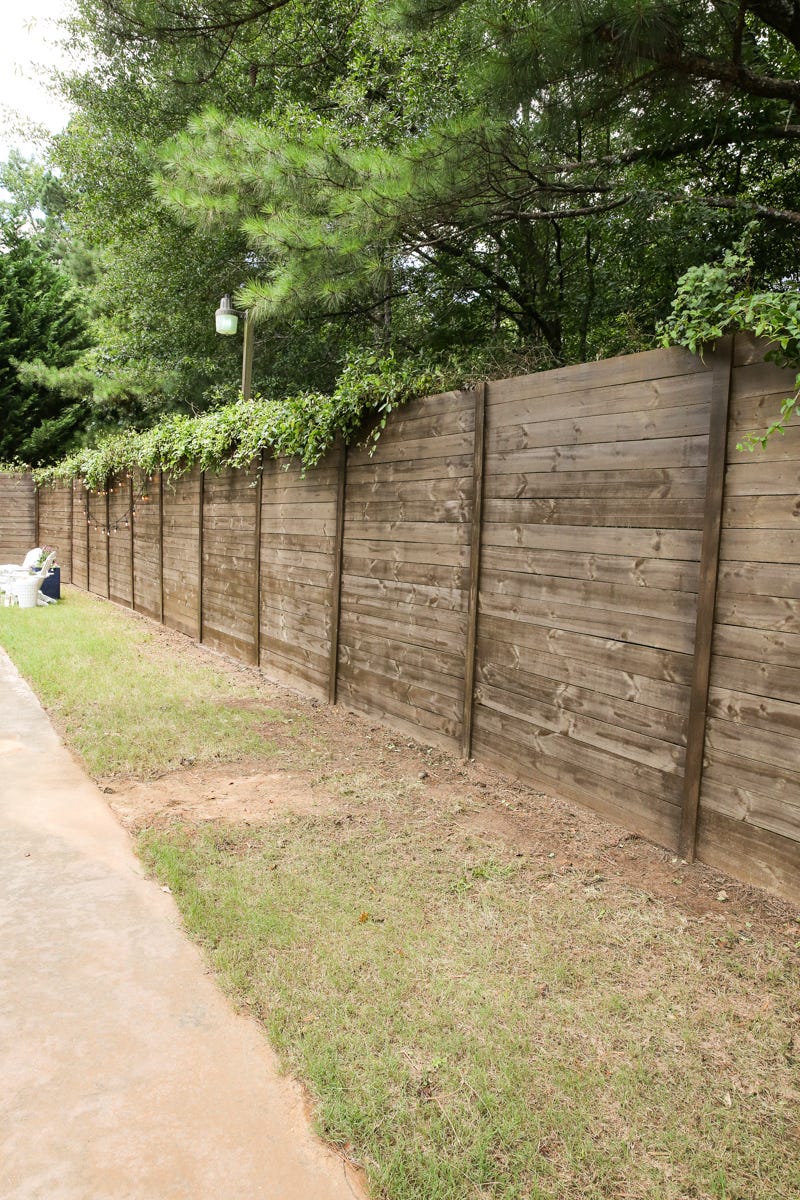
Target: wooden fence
[
  {"x": 17, "y": 517},
  {"x": 573, "y": 575}
]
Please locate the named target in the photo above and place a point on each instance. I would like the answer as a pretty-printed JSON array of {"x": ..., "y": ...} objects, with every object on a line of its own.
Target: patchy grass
[
  {"x": 489, "y": 997},
  {"x": 122, "y": 704},
  {"x": 477, "y": 1026}
]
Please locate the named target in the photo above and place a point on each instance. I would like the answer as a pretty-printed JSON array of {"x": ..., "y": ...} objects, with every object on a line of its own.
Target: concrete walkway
[{"x": 124, "y": 1073}]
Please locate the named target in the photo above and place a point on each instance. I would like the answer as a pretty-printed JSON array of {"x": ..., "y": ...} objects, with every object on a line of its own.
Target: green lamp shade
[{"x": 226, "y": 318}]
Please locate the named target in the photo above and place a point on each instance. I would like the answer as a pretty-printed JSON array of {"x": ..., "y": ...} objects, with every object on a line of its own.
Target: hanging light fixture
[{"x": 226, "y": 317}]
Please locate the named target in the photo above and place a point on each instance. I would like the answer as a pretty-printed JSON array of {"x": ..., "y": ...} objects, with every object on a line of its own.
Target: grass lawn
[{"x": 476, "y": 1014}]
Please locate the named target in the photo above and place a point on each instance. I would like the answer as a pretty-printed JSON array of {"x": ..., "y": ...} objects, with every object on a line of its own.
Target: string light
[{"x": 123, "y": 521}]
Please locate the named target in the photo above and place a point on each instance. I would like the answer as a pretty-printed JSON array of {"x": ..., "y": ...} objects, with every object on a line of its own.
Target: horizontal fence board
[
  {"x": 615, "y": 626},
  {"x": 366, "y": 471},
  {"x": 425, "y": 635},
  {"x": 670, "y": 603},
  {"x": 417, "y": 697},
  {"x": 757, "y": 856},
  {"x": 413, "y": 450},
  {"x": 611, "y": 373},
  {"x": 760, "y": 579},
  {"x": 624, "y": 513},
  {"x": 570, "y": 777},
  {"x": 641, "y": 573},
  {"x": 559, "y": 430},
  {"x": 760, "y": 612},
  {"x": 644, "y": 543},
  {"x": 399, "y": 595},
  {"x": 372, "y": 695},
  {"x": 501, "y": 663},
  {"x": 427, "y": 574},
  {"x": 532, "y": 685},
  {"x": 617, "y": 742},
  {"x": 768, "y": 713},
  {"x": 756, "y": 678},
  {"x": 606, "y": 456},
  {"x": 762, "y": 512},
  {"x": 642, "y": 660},
  {"x": 542, "y": 483},
  {"x": 405, "y": 661},
  {"x": 636, "y": 396},
  {"x": 758, "y": 645}
]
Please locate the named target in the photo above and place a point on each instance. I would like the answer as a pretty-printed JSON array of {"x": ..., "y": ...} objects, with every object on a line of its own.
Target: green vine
[
  {"x": 303, "y": 427},
  {"x": 714, "y": 299}
]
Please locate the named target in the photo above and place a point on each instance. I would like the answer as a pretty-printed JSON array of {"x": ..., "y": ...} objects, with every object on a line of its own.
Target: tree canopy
[{"x": 518, "y": 181}]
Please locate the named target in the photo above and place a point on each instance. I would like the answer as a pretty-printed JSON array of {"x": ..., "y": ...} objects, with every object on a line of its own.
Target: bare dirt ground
[{"x": 316, "y": 749}]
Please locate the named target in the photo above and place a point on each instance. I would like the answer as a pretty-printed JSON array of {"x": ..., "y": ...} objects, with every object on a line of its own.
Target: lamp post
[{"x": 227, "y": 323}]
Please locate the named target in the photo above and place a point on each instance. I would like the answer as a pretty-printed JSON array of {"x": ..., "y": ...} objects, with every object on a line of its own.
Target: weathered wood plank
[
  {"x": 503, "y": 664},
  {"x": 626, "y": 570},
  {"x": 758, "y": 645},
  {"x": 607, "y": 456},
  {"x": 644, "y": 660},
  {"x": 533, "y": 432},
  {"x": 583, "y": 485},
  {"x": 757, "y": 678},
  {"x": 669, "y": 513},
  {"x": 759, "y": 579},
  {"x": 554, "y": 765},
  {"x": 766, "y": 713},
  {"x": 531, "y": 591},
  {"x": 609, "y": 624},
  {"x": 643, "y": 543},
  {"x": 655, "y": 754},
  {"x": 636, "y": 396},
  {"x": 757, "y": 856}
]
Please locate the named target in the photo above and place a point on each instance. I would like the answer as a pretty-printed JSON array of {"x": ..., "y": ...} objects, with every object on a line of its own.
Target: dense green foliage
[
  {"x": 430, "y": 177},
  {"x": 303, "y": 426},
  {"x": 716, "y": 299},
  {"x": 40, "y": 321}
]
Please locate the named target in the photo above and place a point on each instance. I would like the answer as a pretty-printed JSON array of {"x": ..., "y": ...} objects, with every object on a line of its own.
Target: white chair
[
  {"x": 23, "y": 586},
  {"x": 10, "y": 572}
]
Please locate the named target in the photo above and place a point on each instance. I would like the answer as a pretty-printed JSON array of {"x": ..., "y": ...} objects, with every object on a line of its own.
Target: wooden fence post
[
  {"x": 108, "y": 543},
  {"x": 200, "y": 506},
  {"x": 721, "y": 360},
  {"x": 36, "y": 514},
  {"x": 130, "y": 524},
  {"x": 336, "y": 582},
  {"x": 257, "y": 589},
  {"x": 71, "y": 530},
  {"x": 161, "y": 545},
  {"x": 88, "y": 533},
  {"x": 478, "y": 457}
]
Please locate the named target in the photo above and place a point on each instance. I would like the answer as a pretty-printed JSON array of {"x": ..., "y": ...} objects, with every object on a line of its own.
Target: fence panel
[
  {"x": 55, "y": 519},
  {"x": 182, "y": 533},
  {"x": 119, "y": 542},
  {"x": 144, "y": 505},
  {"x": 230, "y": 584},
  {"x": 298, "y": 572},
  {"x": 80, "y": 536},
  {"x": 405, "y": 582},
  {"x": 591, "y": 542},
  {"x": 17, "y": 517},
  {"x": 96, "y": 504},
  {"x": 750, "y": 797}
]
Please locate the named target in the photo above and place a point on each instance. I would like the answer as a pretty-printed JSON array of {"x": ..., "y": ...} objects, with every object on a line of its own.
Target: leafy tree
[
  {"x": 527, "y": 181},
  {"x": 584, "y": 139},
  {"x": 40, "y": 319}
]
